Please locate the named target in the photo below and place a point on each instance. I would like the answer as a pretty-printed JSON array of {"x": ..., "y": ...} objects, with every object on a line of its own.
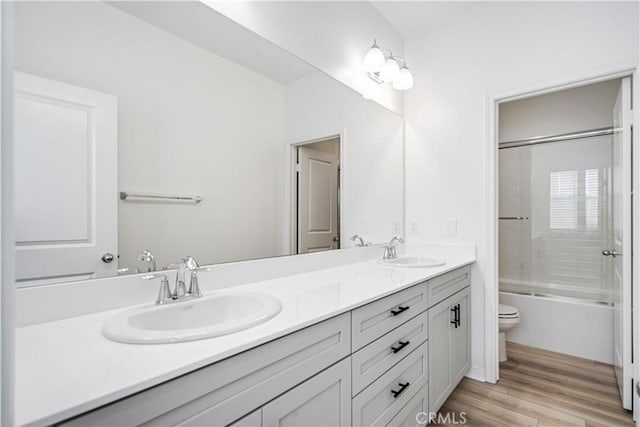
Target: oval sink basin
[
  {"x": 195, "y": 319},
  {"x": 413, "y": 262}
]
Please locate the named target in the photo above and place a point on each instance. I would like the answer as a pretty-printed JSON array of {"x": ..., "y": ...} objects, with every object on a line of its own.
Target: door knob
[
  {"x": 610, "y": 252},
  {"x": 107, "y": 257}
]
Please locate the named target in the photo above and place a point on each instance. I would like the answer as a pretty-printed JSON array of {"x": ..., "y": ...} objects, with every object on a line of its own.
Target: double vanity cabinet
[{"x": 381, "y": 363}]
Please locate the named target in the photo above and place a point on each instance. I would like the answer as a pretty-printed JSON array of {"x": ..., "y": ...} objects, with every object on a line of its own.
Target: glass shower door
[{"x": 555, "y": 218}]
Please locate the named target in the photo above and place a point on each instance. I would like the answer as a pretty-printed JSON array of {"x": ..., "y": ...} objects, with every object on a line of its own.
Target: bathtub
[{"x": 570, "y": 326}]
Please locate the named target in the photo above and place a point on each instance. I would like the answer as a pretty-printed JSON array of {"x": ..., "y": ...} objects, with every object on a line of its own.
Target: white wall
[
  {"x": 502, "y": 48},
  {"x": 332, "y": 36},
  {"x": 372, "y": 152},
  {"x": 189, "y": 122},
  {"x": 572, "y": 110}
]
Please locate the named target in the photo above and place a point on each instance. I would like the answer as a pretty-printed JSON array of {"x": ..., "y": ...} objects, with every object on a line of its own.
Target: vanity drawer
[
  {"x": 227, "y": 390},
  {"x": 377, "y": 405},
  {"x": 378, "y": 357},
  {"x": 415, "y": 413},
  {"x": 375, "y": 319},
  {"x": 442, "y": 287}
]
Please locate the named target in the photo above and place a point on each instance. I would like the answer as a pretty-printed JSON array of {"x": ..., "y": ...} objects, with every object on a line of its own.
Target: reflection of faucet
[
  {"x": 390, "y": 249},
  {"x": 148, "y": 256},
  {"x": 360, "y": 243},
  {"x": 180, "y": 291}
]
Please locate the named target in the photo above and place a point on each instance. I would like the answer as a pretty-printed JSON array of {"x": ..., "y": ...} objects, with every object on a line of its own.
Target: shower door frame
[{"x": 493, "y": 102}]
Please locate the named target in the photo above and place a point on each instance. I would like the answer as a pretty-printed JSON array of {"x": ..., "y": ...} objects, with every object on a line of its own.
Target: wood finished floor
[{"x": 542, "y": 388}]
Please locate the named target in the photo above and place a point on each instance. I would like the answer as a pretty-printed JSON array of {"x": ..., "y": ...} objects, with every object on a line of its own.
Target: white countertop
[{"x": 66, "y": 367}]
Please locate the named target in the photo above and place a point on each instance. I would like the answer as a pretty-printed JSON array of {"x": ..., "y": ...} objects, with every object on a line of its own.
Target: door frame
[
  {"x": 7, "y": 282},
  {"x": 292, "y": 188},
  {"x": 290, "y": 209},
  {"x": 493, "y": 101}
]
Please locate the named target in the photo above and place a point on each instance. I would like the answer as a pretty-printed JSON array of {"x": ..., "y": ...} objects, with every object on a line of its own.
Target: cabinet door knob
[
  {"x": 401, "y": 345},
  {"x": 400, "y": 310},
  {"x": 399, "y": 392}
]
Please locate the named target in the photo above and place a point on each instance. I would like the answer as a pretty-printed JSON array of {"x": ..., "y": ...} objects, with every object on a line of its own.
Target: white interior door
[
  {"x": 317, "y": 201},
  {"x": 66, "y": 181},
  {"x": 620, "y": 250}
]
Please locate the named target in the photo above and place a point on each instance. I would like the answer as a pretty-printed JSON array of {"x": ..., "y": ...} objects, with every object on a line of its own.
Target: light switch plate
[
  {"x": 452, "y": 228},
  {"x": 413, "y": 227}
]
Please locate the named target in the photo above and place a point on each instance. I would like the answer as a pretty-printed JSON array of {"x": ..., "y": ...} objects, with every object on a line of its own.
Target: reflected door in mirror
[
  {"x": 65, "y": 177},
  {"x": 318, "y": 228}
]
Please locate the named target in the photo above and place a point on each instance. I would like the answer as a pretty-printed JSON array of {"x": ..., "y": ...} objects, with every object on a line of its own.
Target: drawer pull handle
[
  {"x": 401, "y": 345},
  {"x": 403, "y": 387},
  {"x": 456, "y": 316},
  {"x": 400, "y": 310}
]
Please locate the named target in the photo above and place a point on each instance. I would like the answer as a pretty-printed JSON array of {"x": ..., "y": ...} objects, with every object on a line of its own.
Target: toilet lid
[{"x": 507, "y": 311}]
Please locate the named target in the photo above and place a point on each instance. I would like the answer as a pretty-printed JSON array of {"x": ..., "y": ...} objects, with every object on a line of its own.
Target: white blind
[
  {"x": 591, "y": 206},
  {"x": 563, "y": 200}
]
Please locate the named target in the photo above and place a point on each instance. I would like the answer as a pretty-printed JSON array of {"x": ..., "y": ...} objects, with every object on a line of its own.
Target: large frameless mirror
[{"x": 147, "y": 131}]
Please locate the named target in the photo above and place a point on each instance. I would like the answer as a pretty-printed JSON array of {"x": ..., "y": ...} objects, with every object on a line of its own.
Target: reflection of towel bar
[
  {"x": 125, "y": 195},
  {"x": 518, "y": 218}
]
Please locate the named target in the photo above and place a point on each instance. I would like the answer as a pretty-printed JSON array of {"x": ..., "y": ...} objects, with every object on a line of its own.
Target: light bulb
[
  {"x": 391, "y": 70},
  {"x": 404, "y": 80},
  {"x": 373, "y": 60}
]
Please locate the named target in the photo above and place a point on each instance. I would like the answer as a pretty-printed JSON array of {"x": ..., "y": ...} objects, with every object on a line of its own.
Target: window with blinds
[
  {"x": 591, "y": 203},
  {"x": 563, "y": 200}
]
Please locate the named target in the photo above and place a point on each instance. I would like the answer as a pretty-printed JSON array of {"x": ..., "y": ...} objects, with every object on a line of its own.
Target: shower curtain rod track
[{"x": 556, "y": 138}]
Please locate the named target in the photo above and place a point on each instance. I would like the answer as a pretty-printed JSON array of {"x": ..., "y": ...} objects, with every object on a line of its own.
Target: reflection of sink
[
  {"x": 205, "y": 317},
  {"x": 413, "y": 262}
]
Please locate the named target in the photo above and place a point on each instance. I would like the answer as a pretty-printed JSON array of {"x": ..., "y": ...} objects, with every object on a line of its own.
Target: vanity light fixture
[{"x": 384, "y": 67}]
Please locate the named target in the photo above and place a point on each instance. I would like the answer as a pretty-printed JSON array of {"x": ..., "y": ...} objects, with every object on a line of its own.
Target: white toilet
[{"x": 508, "y": 317}]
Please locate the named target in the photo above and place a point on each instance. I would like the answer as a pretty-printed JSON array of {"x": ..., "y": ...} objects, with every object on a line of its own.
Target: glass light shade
[
  {"x": 404, "y": 80},
  {"x": 374, "y": 60},
  {"x": 391, "y": 71}
]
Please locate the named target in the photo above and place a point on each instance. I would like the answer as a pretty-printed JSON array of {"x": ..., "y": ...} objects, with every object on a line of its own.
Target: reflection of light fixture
[
  {"x": 390, "y": 71},
  {"x": 404, "y": 80},
  {"x": 374, "y": 60},
  {"x": 383, "y": 67}
]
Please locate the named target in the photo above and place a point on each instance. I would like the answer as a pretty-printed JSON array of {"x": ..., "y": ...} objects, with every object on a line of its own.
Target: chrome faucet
[
  {"x": 180, "y": 291},
  {"x": 390, "y": 249},
  {"x": 148, "y": 256},
  {"x": 360, "y": 243}
]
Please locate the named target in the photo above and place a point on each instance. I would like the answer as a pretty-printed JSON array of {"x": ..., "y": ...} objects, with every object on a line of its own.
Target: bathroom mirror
[{"x": 166, "y": 127}]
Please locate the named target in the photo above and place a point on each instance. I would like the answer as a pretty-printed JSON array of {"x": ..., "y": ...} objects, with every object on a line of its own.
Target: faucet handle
[
  {"x": 194, "y": 289},
  {"x": 164, "y": 294}
]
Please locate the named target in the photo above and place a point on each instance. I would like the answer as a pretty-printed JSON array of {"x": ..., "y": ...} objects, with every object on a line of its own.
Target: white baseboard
[{"x": 476, "y": 373}]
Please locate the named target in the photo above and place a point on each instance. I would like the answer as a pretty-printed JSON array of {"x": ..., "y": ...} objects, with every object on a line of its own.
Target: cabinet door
[
  {"x": 460, "y": 358},
  {"x": 324, "y": 400},
  {"x": 440, "y": 346}
]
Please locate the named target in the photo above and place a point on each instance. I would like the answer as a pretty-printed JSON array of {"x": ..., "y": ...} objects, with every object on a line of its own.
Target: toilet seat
[{"x": 507, "y": 312}]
